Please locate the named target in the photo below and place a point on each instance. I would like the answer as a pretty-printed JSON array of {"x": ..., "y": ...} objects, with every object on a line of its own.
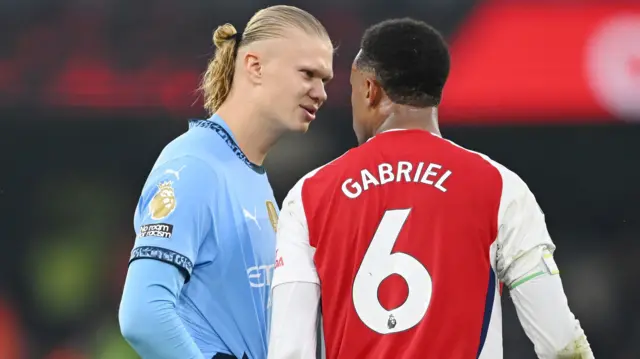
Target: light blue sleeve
[
  {"x": 148, "y": 318},
  {"x": 174, "y": 214}
]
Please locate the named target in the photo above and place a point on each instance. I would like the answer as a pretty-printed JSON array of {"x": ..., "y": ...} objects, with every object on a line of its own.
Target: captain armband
[{"x": 547, "y": 265}]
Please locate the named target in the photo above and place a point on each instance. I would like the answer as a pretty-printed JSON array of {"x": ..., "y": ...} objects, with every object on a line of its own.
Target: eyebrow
[
  {"x": 327, "y": 78},
  {"x": 317, "y": 72}
]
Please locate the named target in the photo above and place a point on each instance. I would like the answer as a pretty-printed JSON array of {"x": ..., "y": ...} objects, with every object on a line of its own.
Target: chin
[
  {"x": 302, "y": 127},
  {"x": 295, "y": 125},
  {"x": 300, "y": 124}
]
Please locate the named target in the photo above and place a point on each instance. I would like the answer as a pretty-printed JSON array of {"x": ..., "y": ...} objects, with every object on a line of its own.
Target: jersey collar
[
  {"x": 217, "y": 124},
  {"x": 396, "y": 130}
]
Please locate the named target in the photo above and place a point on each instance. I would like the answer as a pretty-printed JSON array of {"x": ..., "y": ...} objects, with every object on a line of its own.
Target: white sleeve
[
  {"x": 294, "y": 321},
  {"x": 524, "y": 262},
  {"x": 521, "y": 229},
  {"x": 294, "y": 254},
  {"x": 545, "y": 316}
]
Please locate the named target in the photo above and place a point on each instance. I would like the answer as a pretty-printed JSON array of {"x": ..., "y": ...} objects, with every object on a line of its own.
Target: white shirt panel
[
  {"x": 521, "y": 226},
  {"x": 294, "y": 254},
  {"x": 295, "y": 285}
]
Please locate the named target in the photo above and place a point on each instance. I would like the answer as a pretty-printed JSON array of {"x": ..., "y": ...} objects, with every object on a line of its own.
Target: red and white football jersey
[{"x": 409, "y": 237}]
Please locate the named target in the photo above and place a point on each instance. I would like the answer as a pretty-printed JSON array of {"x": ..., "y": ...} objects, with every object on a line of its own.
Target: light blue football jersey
[{"x": 208, "y": 210}]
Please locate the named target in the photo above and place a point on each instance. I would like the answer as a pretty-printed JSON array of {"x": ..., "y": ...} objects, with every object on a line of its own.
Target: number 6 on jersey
[{"x": 378, "y": 264}]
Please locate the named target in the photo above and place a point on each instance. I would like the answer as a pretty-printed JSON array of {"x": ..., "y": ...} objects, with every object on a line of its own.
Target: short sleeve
[
  {"x": 294, "y": 254},
  {"x": 522, "y": 228},
  {"x": 174, "y": 214}
]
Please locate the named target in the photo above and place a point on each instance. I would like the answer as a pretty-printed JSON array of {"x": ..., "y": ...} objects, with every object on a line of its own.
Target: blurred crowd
[{"x": 123, "y": 54}]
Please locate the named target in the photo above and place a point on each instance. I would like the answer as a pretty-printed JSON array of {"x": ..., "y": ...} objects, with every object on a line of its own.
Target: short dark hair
[{"x": 409, "y": 58}]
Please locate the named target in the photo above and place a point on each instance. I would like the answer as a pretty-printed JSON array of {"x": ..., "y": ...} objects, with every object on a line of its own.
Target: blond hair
[{"x": 268, "y": 23}]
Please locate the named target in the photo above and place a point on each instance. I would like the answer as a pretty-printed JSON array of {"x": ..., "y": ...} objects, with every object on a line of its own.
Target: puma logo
[
  {"x": 253, "y": 217},
  {"x": 174, "y": 172}
]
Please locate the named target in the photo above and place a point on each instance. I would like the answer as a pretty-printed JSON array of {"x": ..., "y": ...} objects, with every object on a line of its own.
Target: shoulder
[
  {"x": 511, "y": 183},
  {"x": 513, "y": 186},
  {"x": 185, "y": 178},
  {"x": 196, "y": 153},
  {"x": 198, "y": 144},
  {"x": 186, "y": 168}
]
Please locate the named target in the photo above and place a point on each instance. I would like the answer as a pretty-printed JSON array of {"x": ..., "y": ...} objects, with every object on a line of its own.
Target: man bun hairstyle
[
  {"x": 268, "y": 23},
  {"x": 216, "y": 81}
]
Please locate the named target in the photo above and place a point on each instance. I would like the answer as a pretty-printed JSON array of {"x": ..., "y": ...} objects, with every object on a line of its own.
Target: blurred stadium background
[{"x": 91, "y": 90}]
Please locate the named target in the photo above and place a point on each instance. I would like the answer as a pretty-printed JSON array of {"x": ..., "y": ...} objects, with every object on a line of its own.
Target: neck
[
  {"x": 254, "y": 135},
  {"x": 411, "y": 118}
]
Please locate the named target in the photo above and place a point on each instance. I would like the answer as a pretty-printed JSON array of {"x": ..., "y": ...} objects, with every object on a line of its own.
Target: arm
[
  {"x": 295, "y": 286},
  {"x": 172, "y": 218},
  {"x": 545, "y": 316},
  {"x": 294, "y": 321},
  {"x": 148, "y": 318},
  {"x": 525, "y": 264}
]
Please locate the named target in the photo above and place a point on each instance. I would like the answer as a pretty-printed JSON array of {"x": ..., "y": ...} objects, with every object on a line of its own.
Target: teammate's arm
[
  {"x": 295, "y": 286},
  {"x": 525, "y": 264},
  {"x": 172, "y": 218}
]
